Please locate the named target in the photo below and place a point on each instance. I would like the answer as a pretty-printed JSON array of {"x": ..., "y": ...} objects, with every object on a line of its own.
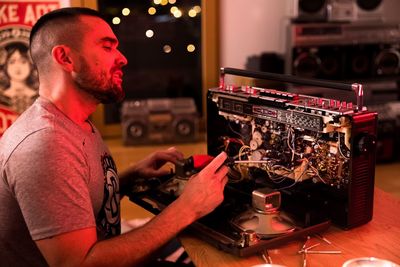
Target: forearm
[
  {"x": 135, "y": 247},
  {"x": 126, "y": 179},
  {"x": 203, "y": 192}
]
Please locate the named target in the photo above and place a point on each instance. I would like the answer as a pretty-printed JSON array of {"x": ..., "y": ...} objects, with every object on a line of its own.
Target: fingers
[
  {"x": 169, "y": 155},
  {"x": 216, "y": 163},
  {"x": 224, "y": 180},
  {"x": 221, "y": 173},
  {"x": 161, "y": 172},
  {"x": 175, "y": 152}
]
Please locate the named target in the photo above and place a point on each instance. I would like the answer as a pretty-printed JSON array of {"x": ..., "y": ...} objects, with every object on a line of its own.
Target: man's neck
[{"x": 75, "y": 104}]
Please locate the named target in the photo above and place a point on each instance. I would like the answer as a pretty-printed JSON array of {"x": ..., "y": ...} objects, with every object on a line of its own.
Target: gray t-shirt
[{"x": 54, "y": 178}]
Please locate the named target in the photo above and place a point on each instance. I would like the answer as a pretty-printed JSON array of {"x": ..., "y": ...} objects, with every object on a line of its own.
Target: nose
[{"x": 121, "y": 59}]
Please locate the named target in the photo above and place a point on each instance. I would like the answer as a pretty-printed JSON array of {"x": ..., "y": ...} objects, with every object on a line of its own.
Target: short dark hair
[
  {"x": 62, "y": 13},
  {"x": 59, "y": 26}
]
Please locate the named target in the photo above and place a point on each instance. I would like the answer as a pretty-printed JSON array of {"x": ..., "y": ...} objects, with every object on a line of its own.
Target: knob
[{"x": 364, "y": 143}]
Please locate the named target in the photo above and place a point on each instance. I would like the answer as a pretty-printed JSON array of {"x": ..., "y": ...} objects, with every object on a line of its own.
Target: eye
[{"x": 107, "y": 48}]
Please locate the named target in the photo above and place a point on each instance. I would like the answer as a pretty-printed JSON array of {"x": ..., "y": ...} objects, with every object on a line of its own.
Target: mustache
[{"x": 117, "y": 70}]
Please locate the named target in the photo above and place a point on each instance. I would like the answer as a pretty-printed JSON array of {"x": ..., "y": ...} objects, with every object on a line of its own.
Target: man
[{"x": 59, "y": 191}]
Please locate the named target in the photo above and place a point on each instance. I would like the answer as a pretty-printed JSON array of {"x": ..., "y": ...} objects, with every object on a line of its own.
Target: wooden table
[{"x": 379, "y": 238}]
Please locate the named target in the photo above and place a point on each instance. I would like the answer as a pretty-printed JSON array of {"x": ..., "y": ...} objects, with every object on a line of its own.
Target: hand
[
  {"x": 151, "y": 165},
  {"x": 205, "y": 191}
]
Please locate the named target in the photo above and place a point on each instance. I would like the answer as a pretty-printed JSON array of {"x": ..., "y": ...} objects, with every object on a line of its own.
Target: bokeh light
[
  {"x": 167, "y": 49},
  {"x": 190, "y": 48},
  {"x": 116, "y": 20}
]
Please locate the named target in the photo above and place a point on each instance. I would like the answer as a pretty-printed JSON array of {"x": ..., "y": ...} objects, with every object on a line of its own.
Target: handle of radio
[{"x": 355, "y": 87}]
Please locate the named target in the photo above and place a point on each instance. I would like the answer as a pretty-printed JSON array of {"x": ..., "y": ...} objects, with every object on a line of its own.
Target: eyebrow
[{"x": 109, "y": 39}]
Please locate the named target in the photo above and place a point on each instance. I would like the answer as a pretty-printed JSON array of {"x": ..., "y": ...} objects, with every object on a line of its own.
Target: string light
[
  {"x": 157, "y": 2},
  {"x": 173, "y": 9},
  {"x": 152, "y": 11},
  {"x": 178, "y": 14},
  {"x": 192, "y": 13},
  {"x": 116, "y": 20},
  {"x": 149, "y": 33},
  {"x": 172, "y": 2},
  {"x": 197, "y": 9},
  {"x": 126, "y": 11},
  {"x": 167, "y": 49},
  {"x": 190, "y": 48},
  {"x": 164, "y": 2}
]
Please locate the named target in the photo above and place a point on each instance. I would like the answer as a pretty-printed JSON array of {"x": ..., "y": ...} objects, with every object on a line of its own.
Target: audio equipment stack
[
  {"x": 337, "y": 10},
  {"x": 348, "y": 41},
  {"x": 368, "y": 53}
]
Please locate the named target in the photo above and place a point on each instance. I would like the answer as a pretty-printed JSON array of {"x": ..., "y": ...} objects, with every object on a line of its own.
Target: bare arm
[{"x": 202, "y": 194}]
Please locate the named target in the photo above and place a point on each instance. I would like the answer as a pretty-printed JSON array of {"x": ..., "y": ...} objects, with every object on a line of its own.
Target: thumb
[{"x": 160, "y": 172}]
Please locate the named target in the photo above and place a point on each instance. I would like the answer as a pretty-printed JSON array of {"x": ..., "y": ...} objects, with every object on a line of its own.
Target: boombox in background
[
  {"x": 159, "y": 121},
  {"x": 368, "y": 53},
  {"x": 388, "y": 142},
  {"x": 343, "y": 51},
  {"x": 337, "y": 10}
]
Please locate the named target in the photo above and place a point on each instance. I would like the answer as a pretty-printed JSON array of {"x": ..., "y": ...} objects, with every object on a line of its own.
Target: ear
[{"x": 62, "y": 55}]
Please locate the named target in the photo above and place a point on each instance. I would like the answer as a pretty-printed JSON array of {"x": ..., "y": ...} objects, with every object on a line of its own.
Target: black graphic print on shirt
[{"x": 108, "y": 220}]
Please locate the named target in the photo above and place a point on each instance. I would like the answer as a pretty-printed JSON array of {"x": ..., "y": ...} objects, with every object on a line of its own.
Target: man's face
[{"x": 99, "y": 65}]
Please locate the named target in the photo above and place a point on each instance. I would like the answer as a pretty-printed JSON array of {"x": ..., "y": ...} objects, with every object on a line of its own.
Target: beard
[{"x": 98, "y": 85}]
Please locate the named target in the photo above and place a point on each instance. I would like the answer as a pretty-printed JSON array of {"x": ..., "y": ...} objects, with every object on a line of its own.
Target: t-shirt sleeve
[{"x": 49, "y": 181}]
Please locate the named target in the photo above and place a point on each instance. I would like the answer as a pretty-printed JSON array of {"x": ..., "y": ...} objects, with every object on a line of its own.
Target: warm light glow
[
  {"x": 197, "y": 9},
  {"x": 149, "y": 33},
  {"x": 172, "y": 2},
  {"x": 164, "y": 2},
  {"x": 152, "y": 11},
  {"x": 167, "y": 49},
  {"x": 178, "y": 14},
  {"x": 116, "y": 20},
  {"x": 157, "y": 2},
  {"x": 191, "y": 48},
  {"x": 126, "y": 11},
  {"x": 192, "y": 13}
]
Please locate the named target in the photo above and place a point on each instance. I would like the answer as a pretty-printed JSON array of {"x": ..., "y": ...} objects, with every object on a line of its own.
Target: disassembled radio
[{"x": 297, "y": 163}]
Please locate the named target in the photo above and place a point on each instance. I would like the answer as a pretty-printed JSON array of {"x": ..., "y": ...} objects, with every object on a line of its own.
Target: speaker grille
[
  {"x": 368, "y": 5},
  {"x": 311, "y": 6},
  {"x": 361, "y": 191}
]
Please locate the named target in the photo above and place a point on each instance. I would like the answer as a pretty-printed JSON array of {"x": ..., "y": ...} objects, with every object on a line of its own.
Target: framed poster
[{"x": 18, "y": 77}]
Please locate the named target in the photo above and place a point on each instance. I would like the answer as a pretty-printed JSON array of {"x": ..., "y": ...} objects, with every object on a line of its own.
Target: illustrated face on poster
[
  {"x": 19, "y": 81},
  {"x": 18, "y": 77}
]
